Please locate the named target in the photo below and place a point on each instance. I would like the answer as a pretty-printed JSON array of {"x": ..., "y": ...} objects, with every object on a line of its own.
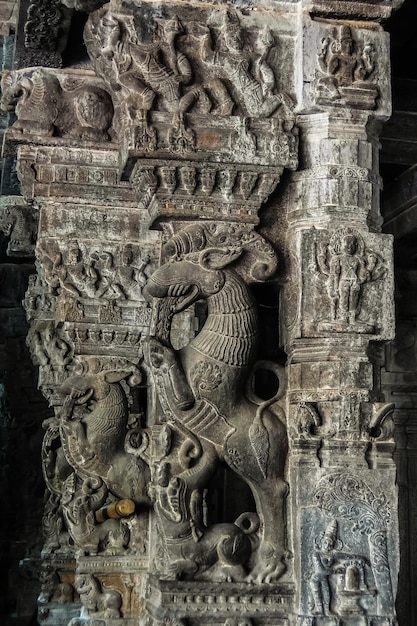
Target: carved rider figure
[{"x": 231, "y": 62}]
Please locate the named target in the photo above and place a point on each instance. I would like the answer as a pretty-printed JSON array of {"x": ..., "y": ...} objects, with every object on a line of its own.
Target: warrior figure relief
[{"x": 252, "y": 83}]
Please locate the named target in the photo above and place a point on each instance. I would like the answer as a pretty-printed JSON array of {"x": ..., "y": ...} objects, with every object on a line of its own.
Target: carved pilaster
[{"x": 340, "y": 276}]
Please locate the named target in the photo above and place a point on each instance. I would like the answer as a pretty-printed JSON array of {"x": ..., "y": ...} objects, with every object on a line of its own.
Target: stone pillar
[
  {"x": 399, "y": 379},
  {"x": 213, "y": 157},
  {"x": 338, "y": 302}
]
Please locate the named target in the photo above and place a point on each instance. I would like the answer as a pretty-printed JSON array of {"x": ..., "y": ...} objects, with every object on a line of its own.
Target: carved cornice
[
  {"x": 202, "y": 108},
  {"x": 375, "y": 10},
  {"x": 237, "y": 599}
]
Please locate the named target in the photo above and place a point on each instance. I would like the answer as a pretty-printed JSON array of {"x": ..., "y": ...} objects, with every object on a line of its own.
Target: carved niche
[
  {"x": 350, "y": 276},
  {"x": 347, "y": 71},
  {"x": 347, "y": 569}
]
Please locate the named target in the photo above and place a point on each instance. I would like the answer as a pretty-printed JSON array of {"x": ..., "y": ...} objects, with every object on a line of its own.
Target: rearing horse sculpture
[{"x": 203, "y": 388}]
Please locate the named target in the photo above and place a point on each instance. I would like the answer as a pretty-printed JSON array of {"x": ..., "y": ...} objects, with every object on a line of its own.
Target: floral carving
[{"x": 350, "y": 497}]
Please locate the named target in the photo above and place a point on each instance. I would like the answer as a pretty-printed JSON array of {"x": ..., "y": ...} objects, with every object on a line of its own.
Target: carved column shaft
[{"x": 337, "y": 303}]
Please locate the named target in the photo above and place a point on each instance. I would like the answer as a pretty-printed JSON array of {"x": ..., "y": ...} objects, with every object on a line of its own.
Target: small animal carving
[
  {"x": 43, "y": 107},
  {"x": 95, "y": 443},
  {"x": 17, "y": 221},
  {"x": 35, "y": 99},
  {"x": 52, "y": 588},
  {"x": 106, "y": 604},
  {"x": 79, "y": 506}
]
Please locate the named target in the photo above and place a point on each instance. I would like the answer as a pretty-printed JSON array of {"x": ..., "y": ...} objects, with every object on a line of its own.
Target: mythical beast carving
[
  {"x": 205, "y": 392},
  {"x": 18, "y": 220},
  {"x": 80, "y": 502},
  {"x": 43, "y": 106},
  {"x": 94, "y": 443},
  {"x": 97, "y": 602}
]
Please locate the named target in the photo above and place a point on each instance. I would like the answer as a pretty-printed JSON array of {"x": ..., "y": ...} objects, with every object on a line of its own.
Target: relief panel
[
  {"x": 210, "y": 416},
  {"x": 347, "y": 275},
  {"x": 347, "y": 539}
]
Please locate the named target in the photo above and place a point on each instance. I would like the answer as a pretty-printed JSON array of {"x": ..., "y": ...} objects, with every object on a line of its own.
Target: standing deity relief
[
  {"x": 352, "y": 576},
  {"x": 50, "y": 351},
  {"x": 347, "y": 267},
  {"x": 341, "y": 582}
]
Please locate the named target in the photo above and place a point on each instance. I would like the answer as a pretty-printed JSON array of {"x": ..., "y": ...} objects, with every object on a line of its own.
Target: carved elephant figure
[{"x": 218, "y": 552}]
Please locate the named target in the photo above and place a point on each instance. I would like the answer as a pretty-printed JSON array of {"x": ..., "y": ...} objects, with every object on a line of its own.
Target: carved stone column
[
  {"x": 338, "y": 303},
  {"x": 399, "y": 378},
  {"x": 210, "y": 158}
]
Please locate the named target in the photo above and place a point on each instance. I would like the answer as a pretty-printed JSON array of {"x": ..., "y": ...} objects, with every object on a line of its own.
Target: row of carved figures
[
  {"x": 218, "y": 67},
  {"x": 93, "y": 275}
]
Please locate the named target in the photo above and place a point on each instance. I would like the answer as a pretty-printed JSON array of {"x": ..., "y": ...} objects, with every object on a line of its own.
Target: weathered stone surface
[{"x": 214, "y": 154}]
